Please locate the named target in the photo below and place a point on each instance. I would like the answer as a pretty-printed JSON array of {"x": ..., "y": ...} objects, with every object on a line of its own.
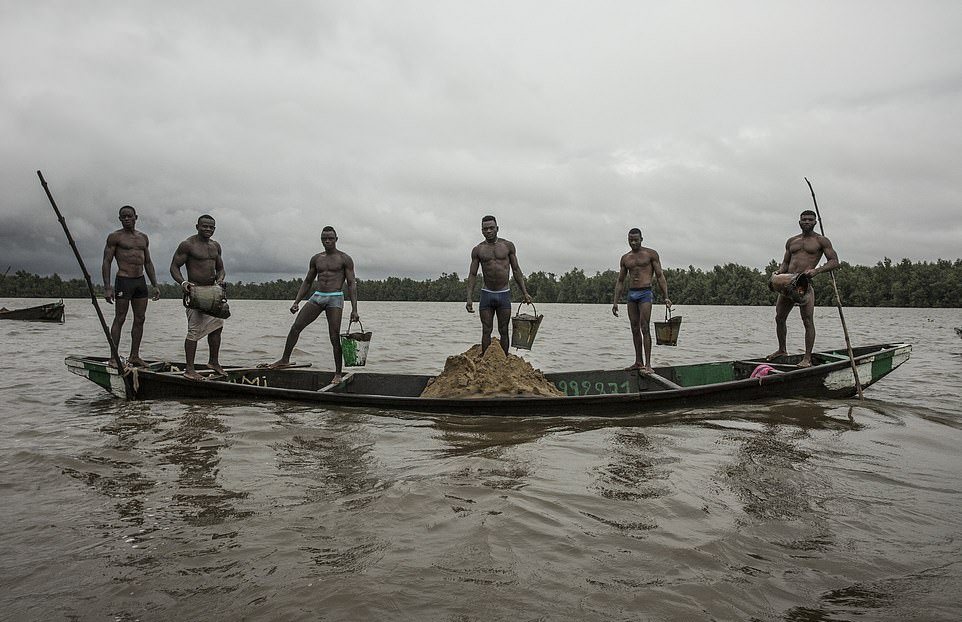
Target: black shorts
[{"x": 126, "y": 288}]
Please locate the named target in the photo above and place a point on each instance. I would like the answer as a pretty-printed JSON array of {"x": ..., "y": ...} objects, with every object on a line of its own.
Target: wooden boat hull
[
  {"x": 606, "y": 393},
  {"x": 52, "y": 312}
]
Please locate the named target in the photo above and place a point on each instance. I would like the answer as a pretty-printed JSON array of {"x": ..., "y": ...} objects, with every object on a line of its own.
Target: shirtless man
[
  {"x": 130, "y": 248},
  {"x": 641, "y": 266},
  {"x": 498, "y": 261},
  {"x": 326, "y": 274},
  {"x": 205, "y": 266},
  {"x": 802, "y": 254}
]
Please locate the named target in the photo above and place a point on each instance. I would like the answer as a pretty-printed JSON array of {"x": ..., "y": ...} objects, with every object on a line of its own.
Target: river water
[{"x": 182, "y": 510}]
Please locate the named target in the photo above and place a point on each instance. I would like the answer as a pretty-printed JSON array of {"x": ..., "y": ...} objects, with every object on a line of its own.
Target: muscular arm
[
  {"x": 179, "y": 259},
  {"x": 472, "y": 279},
  {"x": 516, "y": 272},
  {"x": 219, "y": 266},
  {"x": 149, "y": 269},
  {"x": 660, "y": 277},
  {"x": 351, "y": 285},
  {"x": 783, "y": 268},
  {"x": 619, "y": 284},
  {"x": 110, "y": 250}
]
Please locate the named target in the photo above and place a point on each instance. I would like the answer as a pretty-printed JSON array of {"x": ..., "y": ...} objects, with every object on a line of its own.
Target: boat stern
[{"x": 99, "y": 372}]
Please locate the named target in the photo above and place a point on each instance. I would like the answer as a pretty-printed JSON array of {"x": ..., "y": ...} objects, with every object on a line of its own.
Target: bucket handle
[
  {"x": 351, "y": 323},
  {"x": 667, "y": 314},
  {"x": 518, "y": 312}
]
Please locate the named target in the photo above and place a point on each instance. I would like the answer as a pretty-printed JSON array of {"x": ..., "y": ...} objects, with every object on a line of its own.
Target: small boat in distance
[
  {"x": 958, "y": 331},
  {"x": 592, "y": 393},
  {"x": 51, "y": 312}
]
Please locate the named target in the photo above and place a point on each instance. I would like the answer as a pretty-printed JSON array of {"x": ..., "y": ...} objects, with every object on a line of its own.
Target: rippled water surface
[{"x": 232, "y": 510}]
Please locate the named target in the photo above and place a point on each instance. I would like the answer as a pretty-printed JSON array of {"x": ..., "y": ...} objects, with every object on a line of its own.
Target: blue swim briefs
[
  {"x": 495, "y": 300},
  {"x": 328, "y": 299},
  {"x": 641, "y": 295}
]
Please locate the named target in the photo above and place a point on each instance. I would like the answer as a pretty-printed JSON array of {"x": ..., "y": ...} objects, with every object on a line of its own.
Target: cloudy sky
[{"x": 401, "y": 123}]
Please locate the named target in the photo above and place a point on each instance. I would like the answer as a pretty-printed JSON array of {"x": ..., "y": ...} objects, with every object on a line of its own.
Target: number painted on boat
[{"x": 575, "y": 388}]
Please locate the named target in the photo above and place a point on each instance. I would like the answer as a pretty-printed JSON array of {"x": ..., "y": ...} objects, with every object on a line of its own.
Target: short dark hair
[
  {"x": 807, "y": 213},
  {"x": 207, "y": 216},
  {"x": 130, "y": 207},
  {"x": 329, "y": 228},
  {"x": 634, "y": 230},
  {"x": 489, "y": 217}
]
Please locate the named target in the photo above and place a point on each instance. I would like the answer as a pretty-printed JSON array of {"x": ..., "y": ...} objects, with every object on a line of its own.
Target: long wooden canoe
[
  {"x": 52, "y": 312},
  {"x": 604, "y": 393}
]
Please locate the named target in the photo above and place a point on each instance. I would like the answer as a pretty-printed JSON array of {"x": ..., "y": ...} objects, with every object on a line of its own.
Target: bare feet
[
  {"x": 635, "y": 367},
  {"x": 775, "y": 355},
  {"x": 647, "y": 370},
  {"x": 217, "y": 369},
  {"x": 278, "y": 364},
  {"x": 337, "y": 379},
  {"x": 805, "y": 362},
  {"x": 193, "y": 375},
  {"x": 136, "y": 361}
]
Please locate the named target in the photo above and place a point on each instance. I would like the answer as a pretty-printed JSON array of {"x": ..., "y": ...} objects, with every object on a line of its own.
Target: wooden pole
[
  {"x": 838, "y": 300},
  {"x": 128, "y": 389}
]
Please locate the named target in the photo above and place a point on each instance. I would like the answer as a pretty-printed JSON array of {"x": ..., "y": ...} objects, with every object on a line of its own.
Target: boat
[
  {"x": 51, "y": 312},
  {"x": 606, "y": 393},
  {"x": 958, "y": 331}
]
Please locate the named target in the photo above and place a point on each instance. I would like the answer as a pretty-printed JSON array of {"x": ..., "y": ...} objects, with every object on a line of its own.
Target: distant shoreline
[{"x": 887, "y": 284}]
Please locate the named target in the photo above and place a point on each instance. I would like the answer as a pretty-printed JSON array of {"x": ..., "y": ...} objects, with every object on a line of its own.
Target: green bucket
[
  {"x": 354, "y": 346},
  {"x": 524, "y": 327}
]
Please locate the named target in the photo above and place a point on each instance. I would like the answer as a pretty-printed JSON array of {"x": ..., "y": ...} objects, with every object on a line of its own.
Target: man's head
[
  {"x": 128, "y": 217},
  {"x": 807, "y": 220},
  {"x": 489, "y": 228},
  {"x": 634, "y": 238},
  {"x": 328, "y": 237},
  {"x": 205, "y": 226}
]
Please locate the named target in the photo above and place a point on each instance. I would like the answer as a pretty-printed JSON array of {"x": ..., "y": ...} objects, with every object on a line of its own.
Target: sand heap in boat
[{"x": 493, "y": 375}]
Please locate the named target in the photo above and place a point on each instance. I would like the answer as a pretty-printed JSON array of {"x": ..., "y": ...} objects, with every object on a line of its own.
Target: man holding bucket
[
  {"x": 802, "y": 254},
  {"x": 327, "y": 273},
  {"x": 205, "y": 282},
  {"x": 498, "y": 260},
  {"x": 640, "y": 266}
]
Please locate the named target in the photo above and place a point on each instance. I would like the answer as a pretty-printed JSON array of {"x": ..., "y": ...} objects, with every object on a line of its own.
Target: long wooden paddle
[
  {"x": 838, "y": 300},
  {"x": 128, "y": 387}
]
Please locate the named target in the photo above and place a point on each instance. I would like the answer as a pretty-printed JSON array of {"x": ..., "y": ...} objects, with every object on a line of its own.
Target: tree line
[{"x": 886, "y": 284}]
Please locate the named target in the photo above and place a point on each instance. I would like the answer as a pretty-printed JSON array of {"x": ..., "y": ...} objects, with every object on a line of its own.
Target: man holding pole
[
  {"x": 802, "y": 254},
  {"x": 129, "y": 248},
  {"x": 205, "y": 270}
]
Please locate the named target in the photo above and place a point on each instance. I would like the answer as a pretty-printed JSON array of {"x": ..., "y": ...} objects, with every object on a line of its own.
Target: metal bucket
[
  {"x": 666, "y": 333},
  {"x": 524, "y": 327},
  {"x": 354, "y": 346}
]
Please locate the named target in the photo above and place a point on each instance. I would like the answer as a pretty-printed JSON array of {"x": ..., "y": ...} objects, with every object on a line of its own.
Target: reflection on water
[{"x": 779, "y": 510}]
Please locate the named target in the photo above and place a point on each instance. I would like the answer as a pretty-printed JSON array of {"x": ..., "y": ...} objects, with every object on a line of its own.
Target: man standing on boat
[
  {"x": 327, "y": 273},
  {"x": 498, "y": 261},
  {"x": 640, "y": 266},
  {"x": 205, "y": 270},
  {"x": 130, "y": 248},
  {"x": 802, "y": 254}
]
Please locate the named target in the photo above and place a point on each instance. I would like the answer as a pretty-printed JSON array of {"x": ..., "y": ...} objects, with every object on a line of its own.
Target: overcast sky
[{"x": 402, "y": 123}]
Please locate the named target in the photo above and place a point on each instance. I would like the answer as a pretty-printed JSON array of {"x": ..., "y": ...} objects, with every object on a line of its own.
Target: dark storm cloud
[{"x": 400, "y": 127}]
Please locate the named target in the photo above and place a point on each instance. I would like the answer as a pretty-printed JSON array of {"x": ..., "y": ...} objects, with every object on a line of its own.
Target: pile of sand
[{"x": 495, "y": 374}]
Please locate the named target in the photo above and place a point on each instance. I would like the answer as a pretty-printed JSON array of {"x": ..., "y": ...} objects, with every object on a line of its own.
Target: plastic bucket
[
  {"x": 354, "y": 346},
  {"x": 524, "y": 327},
  {"x": 666, "y": 333}
]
